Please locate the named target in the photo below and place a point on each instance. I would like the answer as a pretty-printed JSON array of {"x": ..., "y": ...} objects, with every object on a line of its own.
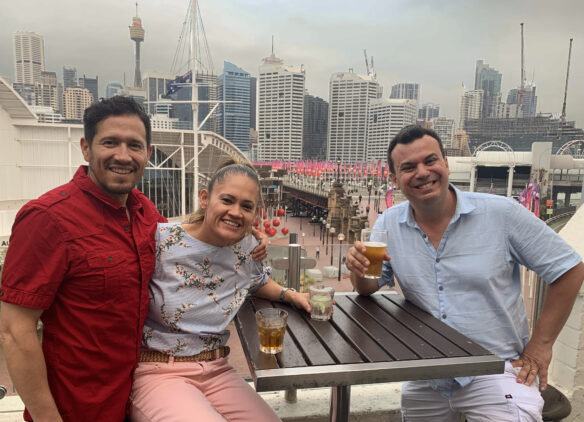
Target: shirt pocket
[{"x": 105, "y": 276}]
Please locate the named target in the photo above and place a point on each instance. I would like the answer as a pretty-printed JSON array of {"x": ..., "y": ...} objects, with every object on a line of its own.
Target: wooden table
[{"x": 380, "y": 338}]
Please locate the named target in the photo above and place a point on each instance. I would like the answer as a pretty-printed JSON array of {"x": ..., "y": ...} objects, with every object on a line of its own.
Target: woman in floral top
[{"x": 204, "y": 270}]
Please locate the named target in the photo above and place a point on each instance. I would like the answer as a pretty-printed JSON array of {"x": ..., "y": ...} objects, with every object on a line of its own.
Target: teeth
[
  {"x": 121, "y": 171},
  {"x": 231, "y": 223},
  {"x": 427, "y": 185}
]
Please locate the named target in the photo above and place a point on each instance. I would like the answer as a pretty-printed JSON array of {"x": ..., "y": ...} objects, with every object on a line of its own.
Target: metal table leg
[{"x": 340, "y": 403}]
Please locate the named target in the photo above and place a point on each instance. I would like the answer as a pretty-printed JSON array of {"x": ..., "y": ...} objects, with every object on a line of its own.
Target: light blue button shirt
[{"x": 472, "y": 281}]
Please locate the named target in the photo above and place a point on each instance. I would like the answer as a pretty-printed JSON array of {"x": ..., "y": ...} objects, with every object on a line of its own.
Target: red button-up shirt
[{"x": 74, "y": 254}]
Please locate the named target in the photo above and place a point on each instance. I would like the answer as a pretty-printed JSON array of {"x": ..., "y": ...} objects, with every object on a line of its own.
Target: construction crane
[
  {"x": 370, "y": 70},
  {"x": 563, "y": 116}
]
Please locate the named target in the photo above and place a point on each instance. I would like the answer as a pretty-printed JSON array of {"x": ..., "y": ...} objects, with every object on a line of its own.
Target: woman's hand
[
  {"x": 260, "y": 252},
  {"x": 299, "y": 300}
]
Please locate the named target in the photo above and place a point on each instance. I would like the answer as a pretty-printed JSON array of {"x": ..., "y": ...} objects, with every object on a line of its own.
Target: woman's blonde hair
[{"x": 227, "y": 168}]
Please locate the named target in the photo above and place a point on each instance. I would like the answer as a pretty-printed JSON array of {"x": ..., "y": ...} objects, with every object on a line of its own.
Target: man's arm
[
  {"x": 558, "y": 303},
  {"x": 25, "y": 360},
  {"x": 357, "y": 263}
]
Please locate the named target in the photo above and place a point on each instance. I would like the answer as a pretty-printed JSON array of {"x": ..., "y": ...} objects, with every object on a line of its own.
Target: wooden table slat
[
  {"x": 339, "y": 348},
  {"x": 448, "y": 348},
  {"x": 460, "y": 340},
  {"x": 366, "y": 346},
  {"x": 387, "y": 340},
  {"x": 293, "y": 354},
  {"x": 409, "y": 338}
]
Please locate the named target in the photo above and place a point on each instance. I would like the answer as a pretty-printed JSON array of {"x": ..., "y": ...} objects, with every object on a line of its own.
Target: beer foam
[{"x": 374, "y": 244}]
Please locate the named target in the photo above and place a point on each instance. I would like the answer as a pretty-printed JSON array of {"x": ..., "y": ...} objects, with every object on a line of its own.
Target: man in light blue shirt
[{"x": 457, "y": 255}]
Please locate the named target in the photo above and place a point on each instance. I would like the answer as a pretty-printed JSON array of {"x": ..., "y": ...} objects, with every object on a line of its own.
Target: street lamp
[
  {"x": 320, "y": 227},
  {"x": 332, "y": 240},
  {"x": 369, "y": 186},
  {"x": 341, "y": 237},
  {"x": 328, "y": 226},
  {"x": 302, "y": 239}
]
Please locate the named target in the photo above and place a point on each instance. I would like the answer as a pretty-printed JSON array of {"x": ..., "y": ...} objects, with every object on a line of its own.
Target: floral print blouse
[{"x": 196, "y": 290}]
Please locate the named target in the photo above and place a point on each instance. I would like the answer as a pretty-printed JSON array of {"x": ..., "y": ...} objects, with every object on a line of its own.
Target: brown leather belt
[{"x": 154, "y": 356}]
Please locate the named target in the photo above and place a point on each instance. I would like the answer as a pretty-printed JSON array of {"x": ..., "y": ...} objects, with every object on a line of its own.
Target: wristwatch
[{"x": 283, "y": 292}]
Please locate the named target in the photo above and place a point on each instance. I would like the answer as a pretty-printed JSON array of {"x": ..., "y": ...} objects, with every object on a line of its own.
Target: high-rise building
[
  {"x": 29, "y": 57},
  {"x": 75, "y": 101},
  {"x": 233, "y": 118},
  {"x": 253, "y": 104},
  {"x": 69, "y": 77},
  {"x": 409, "y": 91},
  {"x": 113, "y": 88},
  {"x": 315, "y": 127},
  {"x": 525, "y": 99},
  {"x": 47, "y": 91},
  {"x": 91, "y": 84},
  {"x": 155, "y": 84},
  {"x": 429, "y": 111},
  {"x": 471, "y": 106},
  {"x": 489, "y": 80},
  {"x": 460, "y": 143},
  {"x": 280, "y": 111},
  {"x": 137, "y": 35},
  {"x": 445, "y": 128},
  {"x": 387, "y": 116},
  {"x": 349, "y": 96}
]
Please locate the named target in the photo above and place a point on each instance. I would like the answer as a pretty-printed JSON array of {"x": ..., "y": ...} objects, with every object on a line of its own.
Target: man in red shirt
[{"x": 80, "y": 259}]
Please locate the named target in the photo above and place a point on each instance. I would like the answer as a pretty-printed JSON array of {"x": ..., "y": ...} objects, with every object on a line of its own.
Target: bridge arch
[{"x": 575, "y": 148}]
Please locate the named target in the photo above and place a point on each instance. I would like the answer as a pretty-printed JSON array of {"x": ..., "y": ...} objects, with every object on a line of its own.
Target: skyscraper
[
  {"x": 525, "y": 99},
  {"x": 315, "y": 127},
  {"x": 253, "y": 96},
  {"x": 489, "y": 80},
  {"x": 29, "y": 57},
  {"x": 386, "y": 117},
  {"x": 207, "y": 91},
  {"x": 471, "y": 106},
  {"x": 445, "y": 128},
  {"x": 429, "y": 111},
  {"x": 75, "y": 101},
  {"x": 349, "y": 96},
  {"x": 233, "y": 118},
  {"x": 280, "y": 111},
  {"x": 91, "y": 84},
  {"x": 113, "y": 88},
  {"x": 47, "y": 92},
  {"x": 137, "y": 35},
  {"x": 410, "y": 91},
  {"x": 155, "y": 84},
  {"x": 69, "y": 77}
]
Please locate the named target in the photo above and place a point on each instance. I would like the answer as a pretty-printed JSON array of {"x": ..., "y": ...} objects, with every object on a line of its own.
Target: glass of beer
[
  {"x": 271, "y": 329},
  {"x": 375, "y": 242},
  {"x": 321, "y": 302}
]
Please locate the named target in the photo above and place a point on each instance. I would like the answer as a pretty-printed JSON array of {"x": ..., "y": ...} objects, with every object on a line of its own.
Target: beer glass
[
  {"x": 321, "y": 302},
  {"x": 271, "y": 329},
  {"x": 375, "y": 242}
]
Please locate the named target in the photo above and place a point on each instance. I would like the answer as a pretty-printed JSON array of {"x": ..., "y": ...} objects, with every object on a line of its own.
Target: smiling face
[
  {"x": 117, "y": 155},
  {"x": 421, "y": 172},
  {"x": 229, "y": 209}
]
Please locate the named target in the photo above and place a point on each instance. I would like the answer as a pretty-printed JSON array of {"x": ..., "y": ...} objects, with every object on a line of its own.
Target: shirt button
[
  {"x": 110, "y": 259},
  {"x": 443, "y": 316},
  {"x": 63, "y": 193},
  {"x": 1, "y": 292},
  {"x": 441, "y": 288},
  {"x": 127, "y": 228},
  {"x": 425, "y": 236},
  {"x": 437, "y": 259}
]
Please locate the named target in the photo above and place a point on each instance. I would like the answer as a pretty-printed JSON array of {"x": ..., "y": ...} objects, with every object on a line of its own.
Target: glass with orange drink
[{"x": 375, "y": 242}]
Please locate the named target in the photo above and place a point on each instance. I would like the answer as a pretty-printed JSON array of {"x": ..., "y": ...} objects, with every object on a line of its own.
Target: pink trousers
[{"x": 188, "y": 391}]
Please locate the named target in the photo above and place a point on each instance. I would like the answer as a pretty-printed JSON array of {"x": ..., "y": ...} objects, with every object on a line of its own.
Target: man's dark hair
[
  {"x": 114, "y": 106},
  {"x": 408, "y": 135}
]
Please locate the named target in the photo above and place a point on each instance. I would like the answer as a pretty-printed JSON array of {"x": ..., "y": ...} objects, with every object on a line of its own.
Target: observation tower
[{"x": 137, "y": 35}]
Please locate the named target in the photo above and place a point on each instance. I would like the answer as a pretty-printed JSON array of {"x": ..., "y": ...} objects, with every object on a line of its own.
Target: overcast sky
[{"x": 433, "y": 43}]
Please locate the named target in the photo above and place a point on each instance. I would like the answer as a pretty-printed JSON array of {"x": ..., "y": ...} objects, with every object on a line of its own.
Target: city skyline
[{"x": 433, "y": 45}]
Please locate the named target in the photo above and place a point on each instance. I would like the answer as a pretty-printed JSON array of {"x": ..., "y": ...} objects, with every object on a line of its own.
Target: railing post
[{"x": 294, "y": 250}]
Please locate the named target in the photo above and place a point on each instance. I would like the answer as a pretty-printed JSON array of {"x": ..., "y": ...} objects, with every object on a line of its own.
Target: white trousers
[{"x": 487, "y": 398}]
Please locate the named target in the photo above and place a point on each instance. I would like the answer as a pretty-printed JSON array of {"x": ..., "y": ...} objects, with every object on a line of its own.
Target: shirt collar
[
  {"x": 463, "y": 206},
  {"x": 82, "y": 180}
]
